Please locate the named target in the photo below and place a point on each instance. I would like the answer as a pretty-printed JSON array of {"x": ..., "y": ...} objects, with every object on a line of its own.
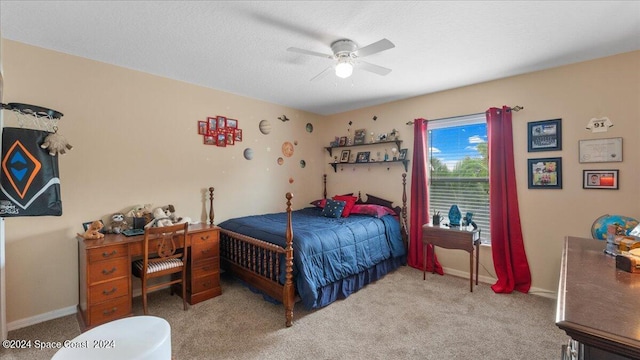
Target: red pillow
[{"x": 350, "y": 200}]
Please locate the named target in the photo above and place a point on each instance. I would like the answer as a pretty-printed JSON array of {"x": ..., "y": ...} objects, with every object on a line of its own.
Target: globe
[{"x": 624, "y": 223}]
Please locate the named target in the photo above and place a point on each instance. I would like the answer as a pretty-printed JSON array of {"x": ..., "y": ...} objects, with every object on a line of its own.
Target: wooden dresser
[
  {"x": 105, "y": 279},
  {"x": 597, "y": 303}
]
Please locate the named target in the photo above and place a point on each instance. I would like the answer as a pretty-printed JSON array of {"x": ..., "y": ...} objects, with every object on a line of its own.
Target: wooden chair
[{"x": 165, "y": 254}]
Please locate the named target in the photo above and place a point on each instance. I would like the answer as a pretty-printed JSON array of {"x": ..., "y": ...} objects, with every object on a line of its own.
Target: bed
[{"x": 327, "y": 259}]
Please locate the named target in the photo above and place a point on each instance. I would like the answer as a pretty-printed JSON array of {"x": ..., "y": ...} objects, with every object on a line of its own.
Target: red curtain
[
  {"x": 507, "y": 245},
  {"x": 419, "y": 200}
]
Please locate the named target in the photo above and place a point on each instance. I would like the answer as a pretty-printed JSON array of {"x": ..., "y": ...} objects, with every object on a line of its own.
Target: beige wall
[
  {"x": 576, "y": 93},
  {"x": 135, "y": 141}
]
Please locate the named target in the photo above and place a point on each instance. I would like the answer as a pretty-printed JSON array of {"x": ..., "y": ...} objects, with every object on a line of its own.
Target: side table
[{"x": 449, "y": 238}]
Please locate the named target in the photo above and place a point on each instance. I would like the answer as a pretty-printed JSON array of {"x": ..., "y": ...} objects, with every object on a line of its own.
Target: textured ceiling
[{"x": 241, "y": 47}]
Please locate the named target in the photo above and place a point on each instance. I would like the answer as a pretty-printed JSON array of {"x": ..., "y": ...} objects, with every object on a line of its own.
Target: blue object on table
[{"x": 454, "y": 216}]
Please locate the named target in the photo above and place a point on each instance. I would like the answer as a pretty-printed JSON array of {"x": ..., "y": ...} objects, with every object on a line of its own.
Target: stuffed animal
[
  {"x": 56, "y": 144},
  {"x": 170, "y": 210},
  {"x": 118, "y": 224},
  {"x": 93, "y": 232},
  {"x": 160, "y": 218}
]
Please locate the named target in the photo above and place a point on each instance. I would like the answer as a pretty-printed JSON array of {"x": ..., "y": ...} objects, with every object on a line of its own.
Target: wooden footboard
[{"x": 258, "y": 263}]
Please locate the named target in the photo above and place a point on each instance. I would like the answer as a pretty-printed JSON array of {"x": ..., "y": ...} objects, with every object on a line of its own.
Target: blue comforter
[{"x": 329, "y": 251}]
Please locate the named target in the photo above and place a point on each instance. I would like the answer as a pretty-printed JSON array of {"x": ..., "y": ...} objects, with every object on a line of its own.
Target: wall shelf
[
  {"x": 397, "y": 142},
  {"x": 404, "y": 162}
]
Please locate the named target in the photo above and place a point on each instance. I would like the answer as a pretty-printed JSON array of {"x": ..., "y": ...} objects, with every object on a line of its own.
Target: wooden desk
[
  {"x": 451, "y": 239},
  {"x": 598, "y": 304},
  {"x": 105, "y": 278}
]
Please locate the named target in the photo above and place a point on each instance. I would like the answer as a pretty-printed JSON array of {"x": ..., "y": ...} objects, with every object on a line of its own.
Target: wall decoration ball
[
  {"x": 280, "y": 161},
  {"x": 295, "y": 142},
  {"x": 248, "y": 153},
  {"x": 287, "y": 149},
  {"x": 303, "y": 163},
  {"x": 309, "y": 127},
  {"x": 290, "y": 180},
  {"x": 265, "y": 126}
]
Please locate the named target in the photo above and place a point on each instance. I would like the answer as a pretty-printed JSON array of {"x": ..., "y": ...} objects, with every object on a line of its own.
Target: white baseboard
[
  {"x": 19, "y": 324},
  {"x": 489, "y": 280}
]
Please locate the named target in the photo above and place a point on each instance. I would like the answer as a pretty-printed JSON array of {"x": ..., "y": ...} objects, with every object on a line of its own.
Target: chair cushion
[{"x": 158, "y": 266}]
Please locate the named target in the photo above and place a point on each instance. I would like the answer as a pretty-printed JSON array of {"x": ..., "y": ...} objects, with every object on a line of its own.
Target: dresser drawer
[
  {"x": 110, "y": 310},
  {"x": 204, "y": 238},
  {"x": 110, "y": 269},
  {"x": 107, "y": 253},
  {"x": 108, "y": 290},
  {"x": 206, "y": 267},
  {"x": 204, "y": 283},
  {"x": 204, "y": 247}
]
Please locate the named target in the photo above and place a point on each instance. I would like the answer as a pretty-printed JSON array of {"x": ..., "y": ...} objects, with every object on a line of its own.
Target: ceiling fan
[{"x": 347, "y": 55}]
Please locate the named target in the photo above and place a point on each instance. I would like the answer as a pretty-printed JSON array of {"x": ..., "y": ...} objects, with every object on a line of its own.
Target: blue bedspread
[{"x": 330, "y": 255}]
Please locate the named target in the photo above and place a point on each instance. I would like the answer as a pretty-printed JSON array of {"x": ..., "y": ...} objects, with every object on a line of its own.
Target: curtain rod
[{"x": 515, "y": 108}]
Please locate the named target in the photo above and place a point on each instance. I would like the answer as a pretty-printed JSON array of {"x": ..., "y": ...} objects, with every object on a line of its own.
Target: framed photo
[
  {"x": 232, "y": 123},
  {"x": 221, "y": 139},
  {"x": 359, "y": 136},
  {"x": 600, "y": 150},
  {"x": 209, "y": 140},
  {"x": 545, "y": 173},
  {"x": 343, "y": 141},
  {"x": 403, "y": 154},
  {"x": 363, "y": 156},
  {"x": 230, "y": 138},
  {"x": 203, "y": 128},
  {"x": 237, "y": 133},
  {"x": 211, "y": 125},
  {"x": 544, "y": 135},
  {"x": 222, "y": 122},
  {"x": 85, "y": 226},
  {"x": 600, "y": 179},
  {"x": 344, "y": 157}
]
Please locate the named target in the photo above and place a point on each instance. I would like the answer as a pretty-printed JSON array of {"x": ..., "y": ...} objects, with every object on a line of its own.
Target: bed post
[
  {"x": 211, "y": 215},
  {"x": 289, "y": 289},
  {"x": 405, "y": 236},
  {"x": 324, "y": 180}
]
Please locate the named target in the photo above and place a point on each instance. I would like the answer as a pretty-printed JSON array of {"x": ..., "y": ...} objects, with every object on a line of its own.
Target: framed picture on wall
[
  {"x": 202, "y": 128},
  {"x": 363, "y": 156},
  {"x": 600, "y": 179},
  {"x": 344, "y": 157},
  {"x": 212, "y": 125},
  {"x": 545, "y": 173},
  {"x": 544, "y": 135}
]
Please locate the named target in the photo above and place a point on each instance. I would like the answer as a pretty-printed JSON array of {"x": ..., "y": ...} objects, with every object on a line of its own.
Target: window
[{"x": 459, "y": 169}]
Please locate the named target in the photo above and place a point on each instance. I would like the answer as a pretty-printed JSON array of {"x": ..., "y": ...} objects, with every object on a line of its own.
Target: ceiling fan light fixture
[{"x": 344, "y": 68}]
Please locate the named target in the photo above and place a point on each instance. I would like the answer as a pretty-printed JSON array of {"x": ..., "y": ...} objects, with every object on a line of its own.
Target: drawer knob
[
  {"x": 205, "y": 250},
  {"x": 109, "y": 312},
  {"x": 204, "y": 238},
  {"x": 106, "y": 254},
  {"x": 109, "y": 292},
  {"x": 107, "y": 272}
]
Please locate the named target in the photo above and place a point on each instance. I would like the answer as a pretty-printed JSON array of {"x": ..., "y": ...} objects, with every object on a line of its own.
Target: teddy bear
[
  {"x": 93, "y": 231},
  {"x": 118, "y": 224},
  {"x": 160, "y": 218},
  {"x": 56, "y": 144}
]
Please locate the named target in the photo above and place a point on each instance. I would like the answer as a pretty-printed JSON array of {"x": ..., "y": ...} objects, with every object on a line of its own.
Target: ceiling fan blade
[
  {"x": 324, "y": 73},
  {"x": 308, "y": 52},
  {"x": 376, "y": 69},
  {"x": 376, "y": 47}
]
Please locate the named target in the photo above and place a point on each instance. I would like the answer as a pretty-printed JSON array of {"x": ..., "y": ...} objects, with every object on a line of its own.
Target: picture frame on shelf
[
  {"x": 342, "y": 141},
  {"x": 403, "y": 154},
  {"x": 600, "y": 150},
  {"x": 359, "y": 136},
  {"x": 600, "y": 179},
  {"x": 544, "y": 135},
  {"x": 545, "y": 173},
  {"x": 344, "y": 156},
  {"x": 363, "y": 157},
  {"x": 203, "y": 128},
  {"x": 85, "y": 226}
]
